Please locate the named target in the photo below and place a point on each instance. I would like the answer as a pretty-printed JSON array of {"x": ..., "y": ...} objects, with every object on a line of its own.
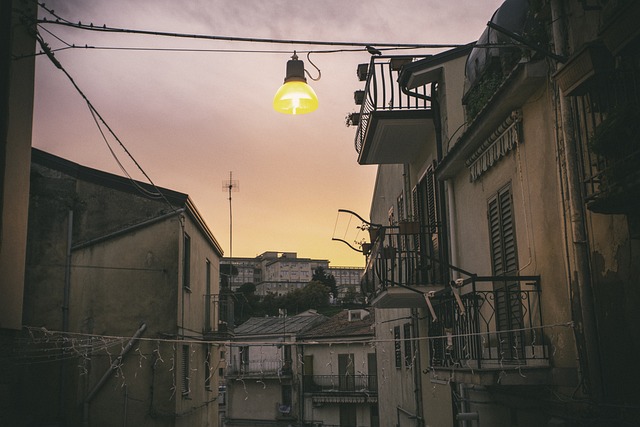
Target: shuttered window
[
  {"x": 425, "y": 202},
  {"x": 504, "y": 261},
  {"x": 186, "y": 386},
  {"x": 186, "y": 261},
  {"x": 408, "y": 346},
  {"x": 397, "y": 347},
  {"x": 504, "y": 256}
]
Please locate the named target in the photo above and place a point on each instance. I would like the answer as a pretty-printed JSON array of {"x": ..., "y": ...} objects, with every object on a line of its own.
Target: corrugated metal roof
[
  {"x": 279, "y": 325},
  {"x": 340, "y": 326}
]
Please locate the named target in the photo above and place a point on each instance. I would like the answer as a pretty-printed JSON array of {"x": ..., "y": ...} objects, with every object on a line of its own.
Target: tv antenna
[{"x": 232, "y": 186}]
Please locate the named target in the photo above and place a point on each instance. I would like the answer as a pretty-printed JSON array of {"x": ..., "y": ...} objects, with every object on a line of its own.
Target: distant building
[
  {"x": 347, "y": 279},
  {"x": 338, "y": 378},
  {"x": 281, "y": 272},
  {"x": 122, "y": 300},
  {"x": 262, "y": 370}
]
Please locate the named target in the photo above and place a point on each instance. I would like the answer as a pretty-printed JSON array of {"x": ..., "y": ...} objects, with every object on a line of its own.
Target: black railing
[
  {"x": 266, "y": 367},
  {"x": 405, "y": 255},
  {"x": 612, "y": 166},
  {"x": 383, "y": 93},
  {"x": 492, "y": 322},
  {"x": 367, "y": 384},
  {"x": 218, "y": 313}
]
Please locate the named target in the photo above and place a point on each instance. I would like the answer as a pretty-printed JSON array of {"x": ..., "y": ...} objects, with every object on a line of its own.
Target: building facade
[
  {"x": 281, "y": 272},
  {"x": 16, "y": 112},
  {"x": 339, "y": 381},
  {"x": 494, "y": 190},
  {"x": 262, "y": 373},
  {"x": 121, "y": 303}
]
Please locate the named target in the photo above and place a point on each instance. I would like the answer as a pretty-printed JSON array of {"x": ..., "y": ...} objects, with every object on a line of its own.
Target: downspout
[
  {"x": 586, "y": 328},
  {"x": 300, "y": 371},
  {"x": 417, "y": 369},
  {"x": 65, "y": 308},
  {"x": 453, "y": 244},
  {"x": 114, "y": 365}
]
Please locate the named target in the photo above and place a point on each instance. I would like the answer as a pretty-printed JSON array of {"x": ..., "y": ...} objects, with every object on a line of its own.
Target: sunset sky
[{"x": 189, "y": 118}]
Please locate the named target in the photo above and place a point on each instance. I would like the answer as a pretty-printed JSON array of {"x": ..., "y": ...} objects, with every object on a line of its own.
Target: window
[
  {"x": 346, "y": 372},
  {"x": 504, "y": 262},
  {"x": 207, "y": 297},
  {"x": 425, "y": 204},
  {"x": 186, "y": 386},
  {"x": 504, "y": 259},
  {"x": 186, "y": 262},
  {"x": 244, "y": 355},
  {"x": 408, "y": 346},
  {"x": 400, "y": 203},
  {"x": 397, "y": 347}
]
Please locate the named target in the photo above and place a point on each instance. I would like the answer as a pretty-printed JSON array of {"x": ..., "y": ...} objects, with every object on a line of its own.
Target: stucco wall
[
  {"x": 17, "y": 112},
  {"x": 531, "y": 169}
]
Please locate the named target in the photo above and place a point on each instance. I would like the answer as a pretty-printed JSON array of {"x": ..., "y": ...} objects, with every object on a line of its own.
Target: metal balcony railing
[
  {"x": 367, "y": 384},
  {"x": 383, "y": 93},
  {"x": 608, "y": 94},
  {"x": 218, "y": 313},
  {"x": 405, "y": 255},
  {"x": 492, "y": 322},
  {"x": 267, "y": 367}
]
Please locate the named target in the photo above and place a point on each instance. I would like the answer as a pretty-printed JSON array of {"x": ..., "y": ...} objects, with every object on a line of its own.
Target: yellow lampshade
[{"x": 295, "y": 97}]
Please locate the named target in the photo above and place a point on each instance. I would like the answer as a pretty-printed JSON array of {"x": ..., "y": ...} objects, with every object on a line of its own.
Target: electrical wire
[
  {"x": 99, "y": 119},
  {"x": 104, "y": 28}
]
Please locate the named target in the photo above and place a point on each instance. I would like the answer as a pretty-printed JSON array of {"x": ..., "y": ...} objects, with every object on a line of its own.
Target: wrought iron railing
[
  {"x": 384, "y": 93},
  {"x": 269, "y": 367},
  {"x": 340, "y": 383},
  {"x": 488, "y": 322},
  {"x": 218, "y": 313},
  {"x": 606, "y": 94},
  {"x": 405, "y": 255}
]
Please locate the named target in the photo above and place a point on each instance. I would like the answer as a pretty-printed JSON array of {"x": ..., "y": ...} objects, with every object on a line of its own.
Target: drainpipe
[
  {"x": 586, "y": 328},
  {"x": 65, "y": 309},
  {"x": 451, "y": 204},
  {"x": 417, "y": 370},
  {"x": 114, "y": 365}
]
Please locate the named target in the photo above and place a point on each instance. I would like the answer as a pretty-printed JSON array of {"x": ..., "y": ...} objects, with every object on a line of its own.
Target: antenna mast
[{"x": 230, "y": 185}]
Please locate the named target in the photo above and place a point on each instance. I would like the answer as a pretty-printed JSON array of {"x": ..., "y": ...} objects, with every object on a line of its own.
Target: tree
[
  {"x": 314, "y": 295},
  {"x": 319, "y": 275}
]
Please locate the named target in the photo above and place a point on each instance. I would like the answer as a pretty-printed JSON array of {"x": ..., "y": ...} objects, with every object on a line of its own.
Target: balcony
[
  {"x": 607, "y": 129},
  {"x": 341, "y": 388},
  {"x": 392, "y": 125},
  {"x": 403, "y": 264},
  {"x": 488, "y": 326},
  {"x": 218, "y": 316},
  {"x": 262, "y": 368},
  {"x": 340, "y": 384}
]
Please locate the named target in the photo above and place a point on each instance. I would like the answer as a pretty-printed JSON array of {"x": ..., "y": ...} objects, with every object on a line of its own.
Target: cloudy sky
[{"x": 191, "y": 117}]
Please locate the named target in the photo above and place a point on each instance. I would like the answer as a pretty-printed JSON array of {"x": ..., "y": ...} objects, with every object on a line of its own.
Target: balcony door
[
  {"x": 346, "y": 372},
  {"x": 425, "y": 203},
  {"x": 504, "y": 260}
]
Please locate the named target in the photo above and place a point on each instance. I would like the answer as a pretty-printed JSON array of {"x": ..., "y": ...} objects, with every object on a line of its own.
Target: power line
[
  {"x": 97, "y": 117},
  {"x": 108, "y": 29}
]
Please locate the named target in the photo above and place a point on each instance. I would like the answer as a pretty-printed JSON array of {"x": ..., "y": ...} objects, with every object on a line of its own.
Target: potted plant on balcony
[{"x": 352, "y": 119}]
